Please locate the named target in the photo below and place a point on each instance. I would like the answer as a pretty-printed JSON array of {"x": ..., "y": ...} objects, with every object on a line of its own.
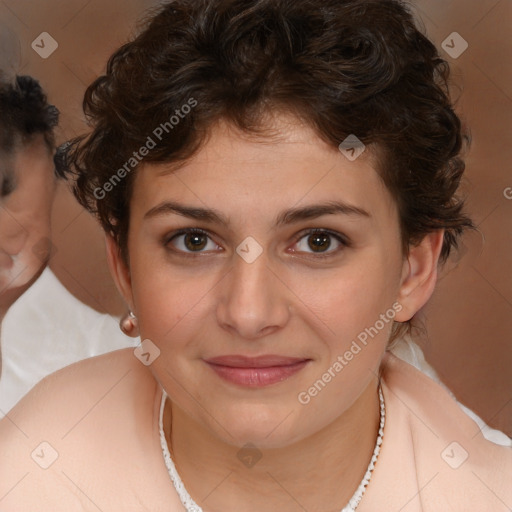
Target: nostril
[{"x": 6, "y": 261}]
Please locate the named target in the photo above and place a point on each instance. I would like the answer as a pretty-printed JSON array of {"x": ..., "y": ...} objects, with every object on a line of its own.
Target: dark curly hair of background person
[
  {"x": 342, "y": 66},
  {"x": 24, "y": 113}
]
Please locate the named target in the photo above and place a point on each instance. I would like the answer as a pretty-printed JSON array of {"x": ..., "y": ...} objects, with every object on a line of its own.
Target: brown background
[{"x": 469, "y": 319}]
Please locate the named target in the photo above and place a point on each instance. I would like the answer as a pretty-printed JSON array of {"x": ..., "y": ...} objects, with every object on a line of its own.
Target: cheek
[
  {"x": 330, "y": 307},
  {"x": 45, "y": 201},
  {"x": 32, "y": 205},
  {"x": 344, "y": 301},
  {"x": 353, "y": 316},
  {"x": 171, "y": 303}
]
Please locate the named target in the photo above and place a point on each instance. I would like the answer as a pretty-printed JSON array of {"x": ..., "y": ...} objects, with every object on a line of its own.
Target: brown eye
[
  {"x": 320, "y": 241},
  {"x": 190, "y": 241},
  {"x": 195, "y": 241}
]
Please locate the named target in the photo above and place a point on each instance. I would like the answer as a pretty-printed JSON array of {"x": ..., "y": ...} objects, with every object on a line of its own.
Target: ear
[
  {"x": 119, "y": 270},
  {"x": 419, "y": 275}
]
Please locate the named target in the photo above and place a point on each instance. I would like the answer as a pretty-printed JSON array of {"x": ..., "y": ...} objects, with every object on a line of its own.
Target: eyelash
[{"x": 344, "y": 242}]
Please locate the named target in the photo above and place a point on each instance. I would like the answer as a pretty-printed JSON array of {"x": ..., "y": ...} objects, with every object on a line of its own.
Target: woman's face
[
  {"x": 256, "y": 283},
  {"x": 27, "y": 183}
]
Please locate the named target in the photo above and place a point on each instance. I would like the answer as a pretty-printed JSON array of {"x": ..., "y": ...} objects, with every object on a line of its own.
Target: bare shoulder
[
  {"x": 58, "y": 440},
  {"x": 60, "y": 397},
  {"x": 443, "y": 441}
]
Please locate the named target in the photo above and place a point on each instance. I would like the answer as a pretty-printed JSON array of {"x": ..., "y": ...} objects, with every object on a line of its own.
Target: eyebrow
[{"x": 290, "y": 216}]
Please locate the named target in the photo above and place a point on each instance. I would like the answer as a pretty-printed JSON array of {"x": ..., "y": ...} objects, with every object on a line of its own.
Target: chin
[
  {"x": 263, "y": 427},
  {"x": 262, "y": 440}
]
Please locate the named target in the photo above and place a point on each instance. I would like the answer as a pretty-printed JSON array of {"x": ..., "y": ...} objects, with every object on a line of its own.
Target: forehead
[{"x": 241, "y": 173}]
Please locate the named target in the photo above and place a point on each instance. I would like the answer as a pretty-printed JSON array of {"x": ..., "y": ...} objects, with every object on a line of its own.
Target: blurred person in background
[
  {"x": 48, "y": 328},
  {"x": 27, "y": 187}
]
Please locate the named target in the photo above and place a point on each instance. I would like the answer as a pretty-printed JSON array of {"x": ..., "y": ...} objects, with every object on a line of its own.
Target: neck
[{"x": 320, "y": 472}]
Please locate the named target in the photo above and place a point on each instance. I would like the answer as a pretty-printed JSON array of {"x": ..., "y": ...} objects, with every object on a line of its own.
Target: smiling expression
[{"x": 322, "y": 262}]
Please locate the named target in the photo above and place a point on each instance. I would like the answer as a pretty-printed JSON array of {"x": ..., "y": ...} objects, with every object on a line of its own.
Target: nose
[
  {"x": 12, "y": 233},
  {"x": 253, "y": 301}
]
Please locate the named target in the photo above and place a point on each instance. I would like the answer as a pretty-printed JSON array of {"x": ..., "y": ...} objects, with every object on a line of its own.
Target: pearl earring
[{"x": 129, "y": 325}]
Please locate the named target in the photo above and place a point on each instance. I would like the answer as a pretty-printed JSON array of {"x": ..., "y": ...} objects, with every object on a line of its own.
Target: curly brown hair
[
  {"x": 343, "y": 66},
  {"x": 25, "y": 113}
]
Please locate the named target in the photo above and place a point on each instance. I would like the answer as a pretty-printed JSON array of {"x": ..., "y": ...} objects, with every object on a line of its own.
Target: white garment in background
[{"x": 48, "y": 328}]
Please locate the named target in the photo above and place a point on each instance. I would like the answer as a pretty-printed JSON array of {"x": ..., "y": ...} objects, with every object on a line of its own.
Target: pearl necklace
[{"x": 191, "y": 506}]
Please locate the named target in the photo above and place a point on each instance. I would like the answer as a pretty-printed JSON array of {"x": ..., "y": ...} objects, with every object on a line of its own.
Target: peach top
[{"x": 102, "y": 452}]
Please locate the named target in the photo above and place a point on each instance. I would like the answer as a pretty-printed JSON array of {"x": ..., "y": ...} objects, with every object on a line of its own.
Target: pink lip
[{"x": 256, "y": 371}]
